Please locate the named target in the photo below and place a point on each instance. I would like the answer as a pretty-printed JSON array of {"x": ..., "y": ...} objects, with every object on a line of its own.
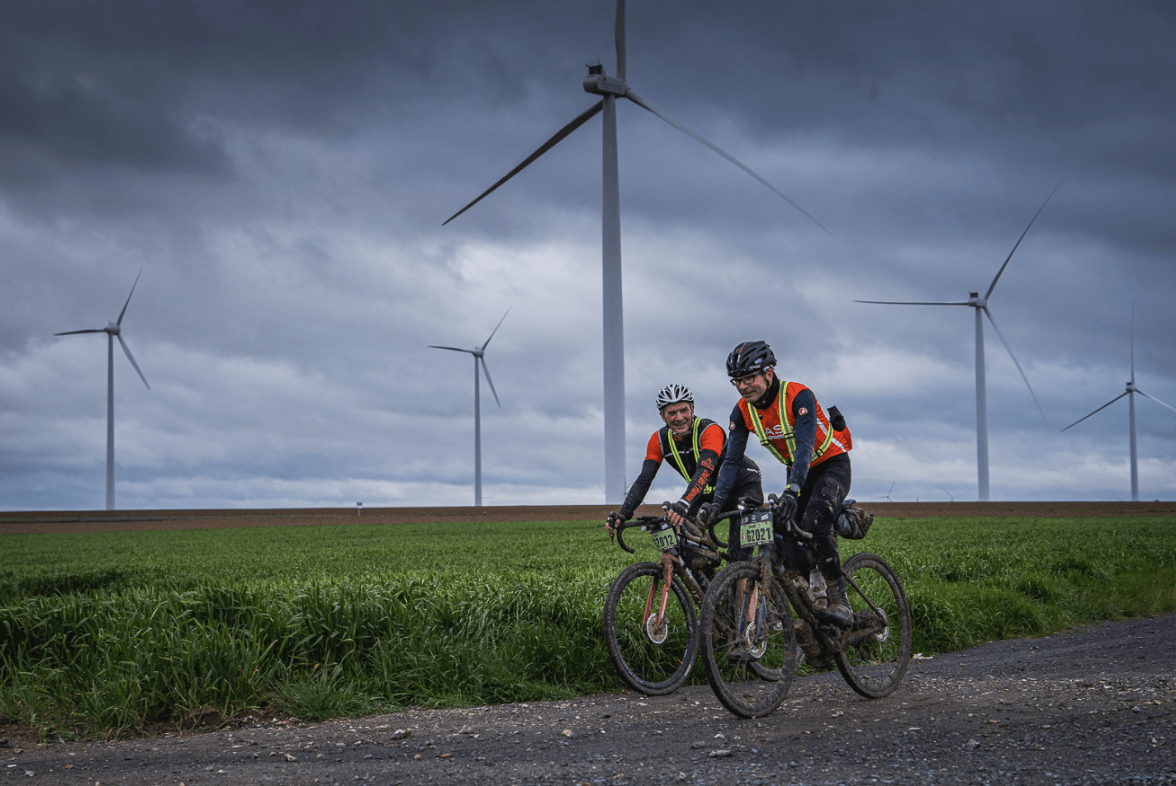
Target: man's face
[
  {"x": 752, "y": 387},
  {"x": 679, "y": 417}
]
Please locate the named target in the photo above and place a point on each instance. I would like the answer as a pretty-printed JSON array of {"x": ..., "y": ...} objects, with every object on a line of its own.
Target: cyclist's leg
[{"x": 820, "y": 501}]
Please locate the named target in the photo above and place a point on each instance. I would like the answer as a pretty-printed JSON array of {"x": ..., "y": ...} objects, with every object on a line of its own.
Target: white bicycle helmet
[{"x": 673, "y": 394}]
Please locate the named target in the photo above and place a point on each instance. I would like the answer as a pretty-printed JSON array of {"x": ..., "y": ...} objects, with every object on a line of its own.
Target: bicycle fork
[
  {"x": 751, "y": 607},
  {"x": 655, "y": 627}
]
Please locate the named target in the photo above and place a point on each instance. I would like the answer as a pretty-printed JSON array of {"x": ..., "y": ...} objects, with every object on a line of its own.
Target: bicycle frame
[
  {"x": 757, "y": 612},
  {"x": 802, "y": 605}
]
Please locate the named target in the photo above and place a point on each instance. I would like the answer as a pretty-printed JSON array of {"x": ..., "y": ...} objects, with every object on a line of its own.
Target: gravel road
[{"x": 1095, "y": 706}]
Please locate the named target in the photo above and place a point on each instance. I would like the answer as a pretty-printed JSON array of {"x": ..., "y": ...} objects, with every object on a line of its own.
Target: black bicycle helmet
[
  {"x": 750, "y": 357},
  {"x": 673, "y": 394}
]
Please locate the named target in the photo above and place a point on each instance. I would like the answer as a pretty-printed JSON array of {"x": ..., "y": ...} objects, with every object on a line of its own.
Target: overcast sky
[{"x": 280, "y": 172}]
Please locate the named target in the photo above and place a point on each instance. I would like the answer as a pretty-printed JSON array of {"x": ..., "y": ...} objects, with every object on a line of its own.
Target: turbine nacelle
[
  {"x": 602, "y": 84},
  {"x": 975, "y": 300}
]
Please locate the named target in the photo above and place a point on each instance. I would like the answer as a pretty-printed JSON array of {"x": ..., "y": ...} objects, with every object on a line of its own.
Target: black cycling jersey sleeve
[
  {"x": 639, "y": 488},
  {"x": 704, "y": 475},
  {"x": 732, "y": 457}
]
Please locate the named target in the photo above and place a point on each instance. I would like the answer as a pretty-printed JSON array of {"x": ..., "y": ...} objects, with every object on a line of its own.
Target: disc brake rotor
[
  {"x": 656, "y": 633},
  {"x": 757, "y": 650}
]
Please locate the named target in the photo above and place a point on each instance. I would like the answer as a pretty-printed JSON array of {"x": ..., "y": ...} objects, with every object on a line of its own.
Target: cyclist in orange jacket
[
  {"x": 788, "y": 421},
  {"x": 694, "y": 446}
]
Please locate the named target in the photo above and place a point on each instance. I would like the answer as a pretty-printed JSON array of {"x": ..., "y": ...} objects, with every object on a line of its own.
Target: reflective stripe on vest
[
  {"x": 678, "y": 458},
  {"x": 786, "y": 421}
]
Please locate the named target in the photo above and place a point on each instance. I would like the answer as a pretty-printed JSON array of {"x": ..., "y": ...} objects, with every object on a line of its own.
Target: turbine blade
[
  {"x": 641, "y": 102},
  {"x": 1017, "y": 364},
  {"x": 620, "y": 39},
  {"x": 1100, "y": 409},
  {"x": 1153, "y": 398},
  {"x": 455, "y": 349},
  {"x": 1133, "y": 344},
  {"x": 486, "y": 371},
  {"x": 131, "y": 358},
  {"x": 912, "y": 303},
  {"x": 583, "y": 118},
  {"x": 495, "y": 330},
  {"x": 124, "y": 308},
  {"x": 74, "y": 332},
  {"x": 992, "y": 286}
]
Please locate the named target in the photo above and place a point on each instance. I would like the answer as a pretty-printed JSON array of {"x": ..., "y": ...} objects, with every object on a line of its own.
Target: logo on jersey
[{"x": 803, "y": 412}]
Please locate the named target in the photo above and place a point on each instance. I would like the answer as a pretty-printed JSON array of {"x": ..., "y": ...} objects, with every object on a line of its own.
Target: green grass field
[{"x": 108, "y": 634}]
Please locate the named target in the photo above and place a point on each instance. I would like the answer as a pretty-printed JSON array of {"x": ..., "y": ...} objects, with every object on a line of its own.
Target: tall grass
[{"x": 105, "y": 634}]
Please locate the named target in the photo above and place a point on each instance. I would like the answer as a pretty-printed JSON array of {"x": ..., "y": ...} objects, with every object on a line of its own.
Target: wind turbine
[
  {"x": 980, "y": 304},
  {"x": 610, "y": 89},
  {"x": 112, "y": 330},
  {"x": 1130, "y": 394},
  {"x": 479, "y": 359}
]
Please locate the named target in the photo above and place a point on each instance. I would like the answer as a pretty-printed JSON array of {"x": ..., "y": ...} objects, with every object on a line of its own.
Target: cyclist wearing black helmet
[
  {"x": 788, "y": 421},
  {"x": 694, "y": 447}
]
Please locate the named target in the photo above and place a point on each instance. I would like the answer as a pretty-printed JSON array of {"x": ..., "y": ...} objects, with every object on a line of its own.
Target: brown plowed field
[{"x": 123, "y": 520}]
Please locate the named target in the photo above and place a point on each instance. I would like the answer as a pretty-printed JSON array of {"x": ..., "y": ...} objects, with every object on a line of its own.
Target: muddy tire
[
  {"x": 652, "y": 659},
  {"x": 753, "y": 685},
  {"x": 876, "y": 651}
]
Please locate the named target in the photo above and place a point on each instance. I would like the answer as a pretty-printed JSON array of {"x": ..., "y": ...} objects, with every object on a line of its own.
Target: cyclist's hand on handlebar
[
  {"x": 613, "y": 521},
  {"x": 785, "y": 507},
  {"x": 708, "y": 513},
  {"x": 677, "y": 512}
]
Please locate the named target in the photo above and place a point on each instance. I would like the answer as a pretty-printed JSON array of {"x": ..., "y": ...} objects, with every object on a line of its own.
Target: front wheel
[
  {"x": 745, "y": 632},
  {"x": 652, "y": 652},
  {"x": 876, "y": 650}
]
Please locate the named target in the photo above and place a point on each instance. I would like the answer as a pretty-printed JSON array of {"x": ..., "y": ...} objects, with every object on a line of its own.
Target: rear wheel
[
  {"x": 876, "y": 650},
  {"x": 652, "y": 654},
  {"x": 749, "y": 665}
]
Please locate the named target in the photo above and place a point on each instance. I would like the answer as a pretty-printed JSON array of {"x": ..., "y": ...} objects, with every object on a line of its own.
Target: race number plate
[
  {"x": 756, "y": 528},
  {"x": 665, "y": 539}
]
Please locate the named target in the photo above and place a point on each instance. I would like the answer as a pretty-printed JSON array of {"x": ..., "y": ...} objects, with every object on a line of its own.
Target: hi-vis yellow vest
[
  {"x": 776, "y": 428},
  {"x": 670, "y": 450}
]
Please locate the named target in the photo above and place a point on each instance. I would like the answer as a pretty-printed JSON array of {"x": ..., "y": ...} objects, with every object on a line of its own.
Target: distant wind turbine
[
  {"x": 610, "y": 89},
  {"x": 478, "y": 353},
  {"x": 1130, "y": 394},
  {"x": 980, "y": 304},
  {"x": 112, "y": 330}
]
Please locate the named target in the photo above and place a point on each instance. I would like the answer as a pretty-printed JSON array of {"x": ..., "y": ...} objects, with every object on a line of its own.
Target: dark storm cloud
[{"x": 280, "y": 172}]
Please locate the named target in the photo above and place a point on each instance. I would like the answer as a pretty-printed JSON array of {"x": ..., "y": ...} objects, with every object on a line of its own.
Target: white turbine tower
[
  {"x": 1130, "y": 394},
  {"x": 610, "y": 89},
  {"x": 112, "y": 330},
  {"x": 980, "y": 304},
  {"x": 478, "y": 353}
]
